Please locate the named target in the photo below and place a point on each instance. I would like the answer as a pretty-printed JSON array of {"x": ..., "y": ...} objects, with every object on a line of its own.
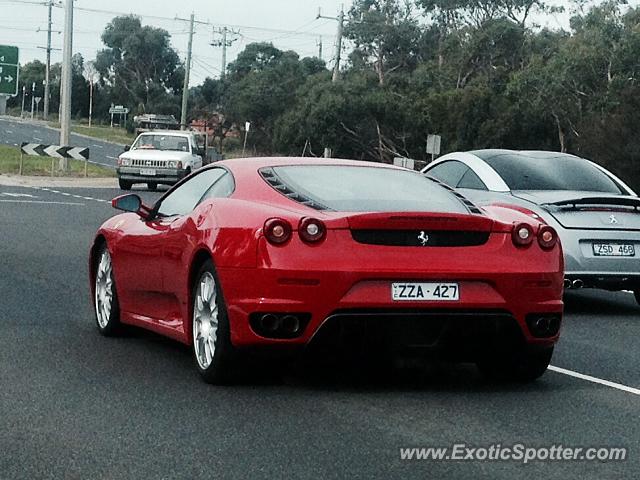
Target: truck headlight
[
  {"x": 125, "y": 162},
  {"x": 173, "y": 164}
]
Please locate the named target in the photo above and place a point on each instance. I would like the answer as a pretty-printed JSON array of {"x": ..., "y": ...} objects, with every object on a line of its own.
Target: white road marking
[
  {"x": 9, "y": 131},
  {"x": 37, "y": 139},
  {"x": 97, "y": 146},
  {"x": 589, "y": 378},
  {"x": 6, "y": 194},
  {"x": 42, "y": 202},
  {"x": 70, "y": 195},
  {"x": 112, "y": 158}
]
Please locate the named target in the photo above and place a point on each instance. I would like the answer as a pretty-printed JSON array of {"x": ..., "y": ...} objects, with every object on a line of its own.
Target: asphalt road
[
  {"x": 14, "y": 131},
  {"x": 74, "y": 404}
]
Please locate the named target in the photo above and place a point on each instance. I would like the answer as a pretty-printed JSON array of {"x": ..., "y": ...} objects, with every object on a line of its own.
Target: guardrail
[{"x": 54, "y": 151}]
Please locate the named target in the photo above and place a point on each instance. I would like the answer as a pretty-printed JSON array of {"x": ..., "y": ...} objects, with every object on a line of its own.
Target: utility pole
[
  {"x": 320, "y": 48},
  {"x": 187, "y": 71},
  {"x": 226, "y": 42},
  {"x": 48, "y": 70},
  {"x": 65, "y": 87},
  {"x": 340, "y": 20}
]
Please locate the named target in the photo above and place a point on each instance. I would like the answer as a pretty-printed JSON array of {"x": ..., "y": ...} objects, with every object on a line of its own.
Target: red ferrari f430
[{"x": 286, "y": 252}]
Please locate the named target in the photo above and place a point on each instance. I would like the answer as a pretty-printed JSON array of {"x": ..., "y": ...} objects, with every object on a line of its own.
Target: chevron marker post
[{"x": 54, "y": 151}]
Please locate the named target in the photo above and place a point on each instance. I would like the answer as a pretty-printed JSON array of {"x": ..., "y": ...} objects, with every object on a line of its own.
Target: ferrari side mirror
[{"x": 130, "y": 203}]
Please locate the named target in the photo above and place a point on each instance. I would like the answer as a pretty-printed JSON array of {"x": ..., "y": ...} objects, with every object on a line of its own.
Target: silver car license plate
[
  {"x": 147, "y": 171},
  {"x": 614, "y": 250},
  {"x": 431, "y": 291}
]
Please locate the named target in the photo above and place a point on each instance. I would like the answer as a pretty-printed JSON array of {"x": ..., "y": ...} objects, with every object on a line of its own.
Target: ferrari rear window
[{"x": 362, "y": 189}]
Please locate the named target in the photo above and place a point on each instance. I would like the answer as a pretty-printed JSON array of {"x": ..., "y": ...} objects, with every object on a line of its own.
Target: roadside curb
[{"x": 58, "y": 182}]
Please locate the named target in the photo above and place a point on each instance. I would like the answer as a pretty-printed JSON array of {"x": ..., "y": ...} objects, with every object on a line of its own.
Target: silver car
[{"x": 596, "y": 215}]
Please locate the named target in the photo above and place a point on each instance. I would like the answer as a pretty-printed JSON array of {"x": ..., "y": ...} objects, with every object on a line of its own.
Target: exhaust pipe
[
  {"x": 577, "y": 283},
  {"x": 291, "y": 324},
  {"x": 542, "y": 325},
  {"x": 270, "y": 322},
  {"x": 567, "y": 283}
]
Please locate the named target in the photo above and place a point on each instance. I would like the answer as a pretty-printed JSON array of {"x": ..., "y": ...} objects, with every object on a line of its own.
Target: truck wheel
[
  {"x": 124, "y": 184},
  {"x": 153, "y": 186}
]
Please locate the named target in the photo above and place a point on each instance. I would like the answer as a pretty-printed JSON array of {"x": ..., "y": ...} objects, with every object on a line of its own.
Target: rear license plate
[
  {"x": 417, "y": 292},
  {"x": 614, "y": 250},
  {"x": 147, "y": 171}
]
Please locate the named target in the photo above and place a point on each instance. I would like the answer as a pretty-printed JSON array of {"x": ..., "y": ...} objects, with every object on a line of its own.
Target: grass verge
[{"x": 41, "y": 166}]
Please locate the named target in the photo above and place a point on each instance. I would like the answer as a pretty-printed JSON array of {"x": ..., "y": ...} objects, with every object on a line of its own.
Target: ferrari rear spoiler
[{"x": 578, "y": 203}]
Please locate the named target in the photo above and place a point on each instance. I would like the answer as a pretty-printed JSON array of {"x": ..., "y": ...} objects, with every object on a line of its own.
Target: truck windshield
[{"x": 161, "y": 142}]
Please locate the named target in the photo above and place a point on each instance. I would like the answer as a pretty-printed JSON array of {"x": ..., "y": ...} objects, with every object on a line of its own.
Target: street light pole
[
  {"x": 65, "y": 90},
  {"x": 33, "y": 98},
  {"x": 24, "y": 94}
]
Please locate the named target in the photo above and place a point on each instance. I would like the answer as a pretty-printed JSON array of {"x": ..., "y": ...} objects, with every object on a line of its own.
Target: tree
[
  {"x": 262, "y": 85},
  {"x": 256, "y": 57},
  {"x": 454, "y": 14},
  {"x": 139, "y": 66},
  {"x": 385, "y": 34}
]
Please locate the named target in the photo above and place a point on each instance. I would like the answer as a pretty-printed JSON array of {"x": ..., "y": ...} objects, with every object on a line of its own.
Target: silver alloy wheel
[
  {"x": 205, "y": 320},
  {"x": 104, "y": 290}
]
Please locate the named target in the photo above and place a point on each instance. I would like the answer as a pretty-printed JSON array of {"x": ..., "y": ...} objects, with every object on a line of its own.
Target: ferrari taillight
[
  {"x": 312, "y": 230},
  {"x": 522, "y": 235},
  {"x": 547, "y": 237},
  {"x": 277, "y": 231}
]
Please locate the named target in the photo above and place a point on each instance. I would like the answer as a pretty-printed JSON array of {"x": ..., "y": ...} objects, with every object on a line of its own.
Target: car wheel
[
  {"x": 105, "y": 298},
  {"x": 214, "y": 354},
  {"x": 125, "y": 185},
  {"x": 152, "y": 186},
  {"x": 524, "y": 365}
]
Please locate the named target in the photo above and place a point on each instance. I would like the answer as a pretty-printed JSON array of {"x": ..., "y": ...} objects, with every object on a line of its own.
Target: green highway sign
[
  {"x": 8, "y": 55},
  {"x": 9, "y": 69}
]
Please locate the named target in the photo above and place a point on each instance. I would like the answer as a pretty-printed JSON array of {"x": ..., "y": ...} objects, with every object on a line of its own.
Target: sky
[{"x": 289, "y": 24}]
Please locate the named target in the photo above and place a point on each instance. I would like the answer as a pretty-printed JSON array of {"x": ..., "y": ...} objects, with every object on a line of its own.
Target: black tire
[
  {"x": 523, "y": 366},
  {"x": 152, "y": 186},
  {"x": 124, "y": 184},
  {"x": 110, "y": 325},
  {"x": 224, "y": 363}
]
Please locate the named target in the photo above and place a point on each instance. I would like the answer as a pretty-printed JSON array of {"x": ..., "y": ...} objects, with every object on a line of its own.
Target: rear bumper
[
  {"x": 488, "y": 305},
  {"x": 612, "y": 273},
  {"x": 604, "y": 280}
]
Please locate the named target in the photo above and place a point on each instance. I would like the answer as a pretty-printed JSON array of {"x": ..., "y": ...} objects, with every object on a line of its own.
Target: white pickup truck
[{"x": 161, "y": 157}]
